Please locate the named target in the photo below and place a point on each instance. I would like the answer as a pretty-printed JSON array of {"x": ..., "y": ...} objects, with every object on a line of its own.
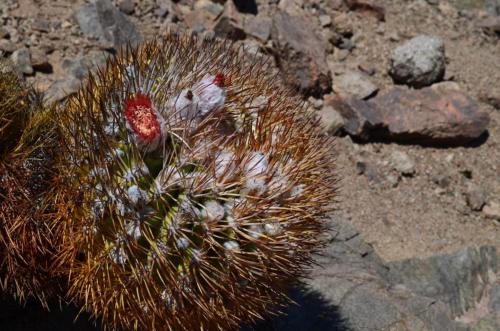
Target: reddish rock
[
  {"x": 426, "y": 116},
  {"x": 300, "y": 54},
  {"x": 373, "y": 7},
  {"x": 491, "y": 24}
]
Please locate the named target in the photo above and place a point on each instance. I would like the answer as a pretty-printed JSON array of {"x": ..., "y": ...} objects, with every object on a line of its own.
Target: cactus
[
  {"x": 186, "y": 191},
  {"x": 27, "y": 146}
]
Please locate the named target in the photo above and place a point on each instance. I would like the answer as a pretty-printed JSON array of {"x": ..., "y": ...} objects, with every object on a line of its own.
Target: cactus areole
[{"x": 191, "y": 188}]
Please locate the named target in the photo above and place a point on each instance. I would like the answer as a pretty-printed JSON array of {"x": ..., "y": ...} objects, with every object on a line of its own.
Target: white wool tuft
[
  {"x": 208, "y": 97},
  {"x": 231, "y": 245},
  {"x": 212, "y": 211},
  {"x": 182, "y": 243},
  {"x": 137, "y": 195}
]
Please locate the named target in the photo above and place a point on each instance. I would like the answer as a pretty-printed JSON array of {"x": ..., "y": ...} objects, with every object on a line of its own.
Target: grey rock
[
  {"x": 301, "y": 54},
  {"x": 490, "y": 322},
  {"x": 354, "y": 85},
  {"x": 22, "y": 61},
  {"x": 419, "y": 62},
  {"x": 103, "y": 21},
  {"x": 459, "y": 280},
  {"x": 402, "y": 163},
  {"x": 80, "y": 66},
  {"x": 61, "y": 89},
  {"x": 258, "y": 27}
]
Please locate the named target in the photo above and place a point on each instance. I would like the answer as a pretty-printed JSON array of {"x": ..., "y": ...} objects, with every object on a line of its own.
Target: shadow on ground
[{"x": 312, "y": 313}]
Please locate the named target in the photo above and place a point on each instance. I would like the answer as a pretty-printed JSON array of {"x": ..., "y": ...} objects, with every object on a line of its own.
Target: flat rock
[
  {"x": 460, "y": 279},
  {"x": 427, "y": 116},
  {"x": 102, "y": 20},
  {"x": 353, "y": 84},
  {"x": 7, "y": 46},
  {"x": 301, "y": 54},
  {"x": 492, "y": 210},
  {"x": 419, "y": 62}
]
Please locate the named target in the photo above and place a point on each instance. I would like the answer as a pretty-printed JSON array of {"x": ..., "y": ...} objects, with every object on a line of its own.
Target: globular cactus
[
  {"x": 183, "y": 188},
  {"x": 196, "y": 186},
  {"x": 27, "y": 200}
]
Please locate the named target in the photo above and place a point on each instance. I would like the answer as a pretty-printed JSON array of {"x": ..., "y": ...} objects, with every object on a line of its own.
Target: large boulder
[{"x": 429, "y": 116}]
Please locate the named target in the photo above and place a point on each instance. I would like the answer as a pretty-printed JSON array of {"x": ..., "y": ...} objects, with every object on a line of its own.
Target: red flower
[
  {"x": 219, "y": 80},
  {"x": 142, "y": 118}
]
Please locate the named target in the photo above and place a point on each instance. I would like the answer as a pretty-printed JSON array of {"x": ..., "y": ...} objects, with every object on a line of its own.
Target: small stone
[
  {"x": 419, "y": 62},
  {"x": 40, "y": 61},
  {"x": 476, "y": 198},
  {"x": 331, "y": 119},
  {"x": 354, "y": 85},
  {"x": 491, "y": 95},
  {"x": 4, "y": 33},
  {"x": 40, "y": 24},
  {"x": 7, "y": 46},
  {"x": 402, "y": 163},
  {"x": 367, "y": 69},
  {"x": 325, "y": 20},
  {"x": 492, "y": 210},
  {"x": 126, "y": 6},
  {"x": 22, "y": 61},
  {"x": 343, "y": 25},
  {"x": 66, "y": 24}
]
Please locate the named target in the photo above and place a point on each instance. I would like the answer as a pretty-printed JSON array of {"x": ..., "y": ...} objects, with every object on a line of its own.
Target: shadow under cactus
[{"x": 312, "y": 313}]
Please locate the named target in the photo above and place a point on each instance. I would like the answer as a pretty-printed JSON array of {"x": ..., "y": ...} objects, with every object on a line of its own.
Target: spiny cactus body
[{"x": 195, "y": 188}]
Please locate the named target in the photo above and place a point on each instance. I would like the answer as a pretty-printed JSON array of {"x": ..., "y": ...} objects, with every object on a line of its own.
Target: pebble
[{"x": 402, "y": 163}]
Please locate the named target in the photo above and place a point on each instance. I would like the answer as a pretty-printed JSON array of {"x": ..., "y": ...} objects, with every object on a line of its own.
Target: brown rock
[
  {"x": 300, "y": 54},
  {"x": 372, "y": 7},
  {"x": 230, "y": 23},
  {"x": 40, "y": 24},
  {"x": 203, "y": 15},
  {"x": 425, "y": 116},
  {"x": 331, "y": 120},
  {"x": 126, "y": 6}
]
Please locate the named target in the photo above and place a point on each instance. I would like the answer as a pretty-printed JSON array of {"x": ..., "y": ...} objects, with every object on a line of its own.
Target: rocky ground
[{"x": 410, "y": 88}]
